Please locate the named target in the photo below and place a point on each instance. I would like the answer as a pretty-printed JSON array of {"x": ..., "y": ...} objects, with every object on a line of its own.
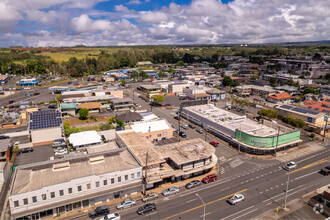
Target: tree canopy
[
  {"x": 158, "y": 98},
  {"x": 83, "y": 113},
  {"x": 269, "y": 113}
]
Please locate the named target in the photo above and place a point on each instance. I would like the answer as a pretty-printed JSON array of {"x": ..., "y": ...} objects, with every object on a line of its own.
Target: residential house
[
  {"x": 84, "y": 139},
  {"x": 93, "y": 107},
  {"x": 216, "y": 94},
  {"x": 129, "y": 117},
  {"x": 280, "y": 98},
  {"x": 124, "y": 104},
  {"x": 4, "y": 150},
  {"x": 68, "y": 109},
  {"x": 289, "y": 89}
]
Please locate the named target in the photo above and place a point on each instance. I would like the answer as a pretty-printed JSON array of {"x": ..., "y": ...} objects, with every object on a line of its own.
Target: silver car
[
  {"x": 150, "y": 196},
  {"x": 235, "y": 199},
  {"x": 126, "y": 204},
  {"x": 171, "y": 191}
]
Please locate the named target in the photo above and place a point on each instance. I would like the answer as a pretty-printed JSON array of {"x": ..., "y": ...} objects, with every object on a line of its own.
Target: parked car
[
  {"x": 193, "y": 184},
  {"x": 126, "y": 204},
  {"x": 182, "y": 134},
  {"x": 289, "y": 166},
  {"x": 26, "y": 150},
  {"x": 191, "y": 126},
  {"x": 214, "y": 143},
  {"x": 52, "y": 106},
  {"x": 11, "y": 101},
  {"x": 17, "y": 143},
  {"x": 235, "y": 199},
  {"x": 325, "y": 171},
  {"x": 209, "y": 178},
  {"x": 177, "y": 117},
  {"x": 3, "y": 137},
  {"x": 171, "y": 191},
  {"x": 112, "y": 216},
  {"x": 150, "y": 196},
  {"x": 61, "y": 152},
  {"x": 146, "y": 208},
  {"x": 185, "y": 127},
  {"x": 101, "y": 210},
  {"x": 137, "y": 105},
  {"x": 199, "y": 130}
]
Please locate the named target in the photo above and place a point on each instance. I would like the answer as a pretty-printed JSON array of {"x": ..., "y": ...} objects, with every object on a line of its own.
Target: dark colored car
[
  {"x": 11, "y": 101},
  {"x": 214, "y": 143},
  {"x": 325, "y": 171},
  {"x": 209, "y": 178},
  {"x": 193, "y": 184},
  {"x": 26, "y": 150},
  {"x": 4, "y": 136},
  {"x": 36, "y": 93},
  {"x": 146, "y": 208},
  {"x": 177, "y": 117},
  {"x": 182, "y": 134},
  {"x": 101, "y": 210},
  {"x": 53, "y": 106},
  {"x": 191, "y": 126}
]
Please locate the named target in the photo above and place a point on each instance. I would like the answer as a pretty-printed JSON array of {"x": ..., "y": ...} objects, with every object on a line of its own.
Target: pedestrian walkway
[{"x": 294, "y": 153}]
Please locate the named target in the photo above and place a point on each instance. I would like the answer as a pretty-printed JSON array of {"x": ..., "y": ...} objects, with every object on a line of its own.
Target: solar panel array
[
  {"x": 45, "y": 119},
  {"x": 301, "y": 110}
]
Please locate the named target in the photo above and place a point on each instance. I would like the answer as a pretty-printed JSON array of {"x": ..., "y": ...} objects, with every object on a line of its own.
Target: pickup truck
[{"x": 325, "y": 171}]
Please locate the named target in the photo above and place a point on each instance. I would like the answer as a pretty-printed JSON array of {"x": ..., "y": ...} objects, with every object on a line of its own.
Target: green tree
[
  {"x": 158, "y": 98},
  {"x": 179, "y": 63},
  {"x": 272, "y": 81},
  {"x": 311, "y": 90},
  {"x": 162, "y": 74},
  {"x": 120, "y": 123},
  {"x": 68, "y": 130},
  {"x": 269, "y": 113},
  {"x": 143, "y": 75},
  {"x": 134, "y": 75},
  {"x": 123, "y": 82},
  {"x": 83, "y": 113},
  {"x": 227, "y": 81}
]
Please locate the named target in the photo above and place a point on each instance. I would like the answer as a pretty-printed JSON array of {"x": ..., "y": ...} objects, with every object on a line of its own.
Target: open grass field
[{"x": 59, "y": 57}]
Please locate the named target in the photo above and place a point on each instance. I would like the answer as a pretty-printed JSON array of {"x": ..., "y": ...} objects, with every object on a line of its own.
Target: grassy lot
[
  {"x": 91, "y": 128},
  {"x": 76, "y": 121},
  {"x": 59, "y": 57}
]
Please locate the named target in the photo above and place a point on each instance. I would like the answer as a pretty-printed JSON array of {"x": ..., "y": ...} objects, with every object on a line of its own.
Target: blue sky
[{"x": 154, "y": 22}]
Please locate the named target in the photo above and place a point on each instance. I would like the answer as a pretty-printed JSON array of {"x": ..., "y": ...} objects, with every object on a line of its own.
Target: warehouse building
[
  {"x": 45, "y": 126},
  {"x": 29, "y": 82},
  {"x": 250, "y": 136},
  {"x": 48, "y": 189}
]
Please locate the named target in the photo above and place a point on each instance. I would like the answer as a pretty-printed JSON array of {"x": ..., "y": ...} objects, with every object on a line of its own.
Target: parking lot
[{"x": 40, "y": 153}]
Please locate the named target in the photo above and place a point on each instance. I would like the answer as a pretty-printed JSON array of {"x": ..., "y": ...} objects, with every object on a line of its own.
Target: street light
[
  {"x": 286, "y": 192},
  {"x": 203, "y": 205}
]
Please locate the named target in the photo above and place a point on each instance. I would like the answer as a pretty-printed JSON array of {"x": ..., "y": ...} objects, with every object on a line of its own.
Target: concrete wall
[
  {"x": 46, "y": 135},
  {"x": 75, "y": 193}
]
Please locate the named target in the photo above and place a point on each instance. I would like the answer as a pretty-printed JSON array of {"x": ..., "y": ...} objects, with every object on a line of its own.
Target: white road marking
[
  {"x": 245, "y": 214},
  {"x": 229, "y": 216},
  {"x": 191, "y": 200},
  {"x": 205, "y": 214},
  {"x": 308, "y": 174}
]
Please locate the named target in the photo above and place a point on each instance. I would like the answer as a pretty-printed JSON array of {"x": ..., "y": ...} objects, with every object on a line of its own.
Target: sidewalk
[
  {"x": 76, "y": 214},
  {"x": 295, "y": 208}
]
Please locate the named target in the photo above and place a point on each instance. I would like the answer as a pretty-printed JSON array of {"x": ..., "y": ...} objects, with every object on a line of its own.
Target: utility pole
[
  {"x": 145, "y": 175},
  {"x": 326, "y": 125},
  {"x": 205, "y": 133},
  {"x": 278, "y": 134},
  {"x": 179, "y": 123},
  {"x": 287, "y": 189}
]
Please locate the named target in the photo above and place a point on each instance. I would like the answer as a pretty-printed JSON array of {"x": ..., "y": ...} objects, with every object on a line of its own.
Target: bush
[
  {"x": 269, "y": 113},
  {"x": 296, "y": 122},
  {"x": 93, "y": 118},
  {"x": 83, "y": 113}
]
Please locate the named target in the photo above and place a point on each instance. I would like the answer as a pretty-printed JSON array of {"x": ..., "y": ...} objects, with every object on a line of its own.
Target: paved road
[{"x": 262, "y": 185}]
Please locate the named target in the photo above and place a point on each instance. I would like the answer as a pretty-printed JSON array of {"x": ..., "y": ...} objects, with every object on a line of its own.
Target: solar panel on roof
[{"x": 45, "y": 119}]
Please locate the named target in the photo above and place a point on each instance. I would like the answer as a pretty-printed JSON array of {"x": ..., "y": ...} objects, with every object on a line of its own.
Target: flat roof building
[
  {"x": 251, "y": 136},
  {"x": 51, "y": 188},
  {"x": 84, "y": 139}
]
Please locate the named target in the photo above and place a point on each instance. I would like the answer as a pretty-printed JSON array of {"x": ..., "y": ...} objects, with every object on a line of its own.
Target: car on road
[
  {"x": 171, "y": 191},
  {"x": 4, "y": 137},
  {"x": 214, "y": 143},
  {"x": 235, "y": 199},
  {"x": 26, "y": 150},
  {"x": 126, "y": 204},
  {"x": 199, "y": 130},
  {"x": 61, "y": 152},
  {"x": 289, "y": 166},
  {"x": 11, "y": 101},
  {"x": 137, "y": 105},
  {"x": 146, "y": 208},
  {"x": 112, "y": 216},
  {"x": 192, "y": 126},
  {"x": 209, "y": 178},
  {"x": 193, "y": 184},
  {"x": 185, "y": 127},
  {"x": 108, "y": 108},
  {"x": 325, "y": 171},
  {"x": 182, "y": 134},
  {"x": 150, "y": 196},
  {"x": 100, "y": 210},
  {"x": 177, "y": 117}
]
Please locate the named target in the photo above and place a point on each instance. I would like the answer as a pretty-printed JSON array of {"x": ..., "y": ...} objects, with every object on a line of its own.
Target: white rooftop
[
  {"x": 150, "y": 126},
  {"x": 147, "y": 116},
  {"x": 84, "y": 138}
]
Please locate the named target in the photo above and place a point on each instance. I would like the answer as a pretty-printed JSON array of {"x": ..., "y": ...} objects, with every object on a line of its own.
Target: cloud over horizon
[{"x": 144, "y": 22}]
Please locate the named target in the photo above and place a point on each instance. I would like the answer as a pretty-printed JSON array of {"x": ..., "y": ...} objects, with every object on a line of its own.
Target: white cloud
[
  {"x": 134, "y": 2},
  {"x": 71, "y": 22}
]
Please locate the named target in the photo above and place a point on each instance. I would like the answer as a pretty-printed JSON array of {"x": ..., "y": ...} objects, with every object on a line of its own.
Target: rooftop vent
[
  {"x": 97, "y": 159},
  {"x": 61, "y": 166}
]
